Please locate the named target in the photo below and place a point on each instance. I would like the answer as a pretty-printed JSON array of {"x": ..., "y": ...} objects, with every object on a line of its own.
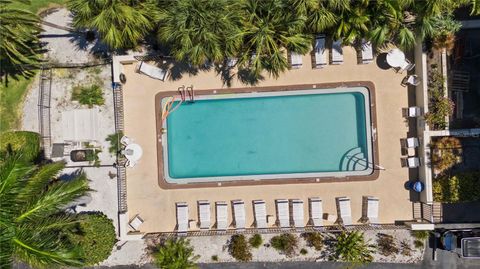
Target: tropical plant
[
  {"x": 446, "y": 152},
  {"x": 175, "y": 254},
  {"x": 440, "y": 107},
  {"x": 352, "y": 23},
  {"x": 445, "y": 28},
  {"x": 351, "y": 247},
  {"x": 200, "y": 31},
  {"x": 406, "y": 248},
  {"x": 95, "y": 236},
  {"x": 255, "y": 241},
  {"x": 121, "y": 24},
  {"x": 19, "y": 44},
  {"x": 239, "y": 248},
  {"x": 462, "y": 187},
  {"x": 314, "y": 239},
  {"x": 114, "y": 140},
  {"x": 32, "y": 222},
  {"x": 386, "y": 244},
  {"x": 420, "y": 237},
  {"x": 285, "y": 243},
  {"x": 269, "y": 30},
  {"x": 88, "y": 95}
]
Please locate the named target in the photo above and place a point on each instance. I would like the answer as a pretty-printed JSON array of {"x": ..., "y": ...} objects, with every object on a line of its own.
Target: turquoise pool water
[{"x": 280, "y": 136}]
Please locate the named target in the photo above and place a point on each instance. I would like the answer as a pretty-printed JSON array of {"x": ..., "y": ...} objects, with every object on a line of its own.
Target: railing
[
  {"x": 119, "y": 127},
  {"x": 44, "y": 110},
  {"x": 431, "y": 213}
]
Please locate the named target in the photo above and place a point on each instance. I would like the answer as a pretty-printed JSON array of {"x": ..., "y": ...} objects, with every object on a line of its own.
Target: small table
[
  {"x": 395, "y": 58},
  {"x": 133, "y": 152}
]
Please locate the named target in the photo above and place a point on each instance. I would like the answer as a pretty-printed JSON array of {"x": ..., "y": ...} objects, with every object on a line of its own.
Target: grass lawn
[
  {"x": 38, "y": 5},
  {"x": 11, "y": 100}
]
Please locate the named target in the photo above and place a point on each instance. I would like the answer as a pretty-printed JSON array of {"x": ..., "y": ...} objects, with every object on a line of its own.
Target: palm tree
[
  {"x": 352, "y": 22},
  {"x": 351, "y": 247},
  {"x": 175, "y": 254},
  {"x": 19, "y": 45},
  {"x": 31, "y": 213},
  {"x": 121, "y": 24},
  {"x": 200, "y": 31},
  {"x": 270, "y": 28}
]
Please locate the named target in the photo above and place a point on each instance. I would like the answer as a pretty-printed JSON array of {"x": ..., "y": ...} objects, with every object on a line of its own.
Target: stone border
[{"x": 373, "y": 119}]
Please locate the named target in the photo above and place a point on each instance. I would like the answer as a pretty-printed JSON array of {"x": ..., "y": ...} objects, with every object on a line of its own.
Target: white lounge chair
[
  {"x": 136, "y": 222},
  {"x": 316, "y": 211},
  {"x": 297, "y": 214},
  {"x": 414, "y": 111},
  {"x": 344, "y": 211},
  {"x": 406, "y": 66},
  {"x": 221, "y": 213},
  {"x": 182, "y": 218},
  {"x": 337, "y": 52},
  {"x": 413, "y": 162},
  {"x": 320, "y": 52},
  {"x": 367, "y": 52},
  {"x": 412, "y": 142},
  {"x": 371, "y": 211},
  {"x": 239, "y": 214},
  {"x": 260, "y": 214},
  {"x": 296, "y": 60},
  {"x": 204, "y": 215},
  {"x": 283, "y": 214},
  {"x": 125, "y": 140},
  {"x": 152, "y": 71},
  {"x": 413, "y": 80}
]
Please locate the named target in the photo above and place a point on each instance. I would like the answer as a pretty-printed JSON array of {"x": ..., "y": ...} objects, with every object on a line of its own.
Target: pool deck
[{"x": 157, "y": 206}]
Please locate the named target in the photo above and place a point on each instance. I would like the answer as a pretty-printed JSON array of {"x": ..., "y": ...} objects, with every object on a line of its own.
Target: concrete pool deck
[{"x": 157, "y": 206}]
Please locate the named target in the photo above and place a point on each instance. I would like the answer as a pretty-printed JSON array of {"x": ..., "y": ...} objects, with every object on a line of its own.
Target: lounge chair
[
  {"x": 125, "y": 140},
  {"x": 406, "y": 66},
  {"x": 283, "y": 214},
  {"x": 367, "y": 52},
  {"x": 316, "y": 211},
  {"x": 413, "y": 162},
  {"x": 370, "y": 209},
  {"x": 337, "y": 52},
  {"x": 136, "y": 222},
  {"x": 260, "y": 214},
  {"x": 221, "y": 212},
  {"x": 320, "y": 59},
  {"x": 412, "y": 142},
  {"x": 239, "y": 214},
  {"x": 413, "y": 112},
  {"x": 413, "y": 80},
  {"x": 297, "y": 214},
  {"x": 152, "y": 71},
  {"x": 204, "y": 215},
  {"x": 182, "y": 218},
  {"x": 344, "y": 211},
  {"x": 296, "y": 60}
]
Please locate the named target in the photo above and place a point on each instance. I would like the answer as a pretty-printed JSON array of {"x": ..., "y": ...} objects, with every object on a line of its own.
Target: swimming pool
[{"x": 310, "y": 133}]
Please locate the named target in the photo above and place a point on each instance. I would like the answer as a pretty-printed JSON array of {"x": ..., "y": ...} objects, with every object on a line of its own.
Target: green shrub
[
  {"x": 239, "y": 248},
  {"x": 285, "y": 243},
  {"x": 446, "y": 152},
  {"x": 175, "y": 254},
  {"x": 314, "y": 240},
  {"x": 114, "y": 140},
  {"x": 303, "y": 251},
  {"x": 255, "y": 241},
  {"x": 462, "y": 187},
  {"x": 95, "y": 236},
  {"x": 215, "y": 258},
  {"x": 29, "y": 142},
  {"x": 439, "y": 106},
  {"x": 418, "y": 243},
  {"x": 386, "y": 245},
  {"x": 421, "y": 235},
  {"x": 351, "y": 247},
  {"x": 88, "y": 95}
]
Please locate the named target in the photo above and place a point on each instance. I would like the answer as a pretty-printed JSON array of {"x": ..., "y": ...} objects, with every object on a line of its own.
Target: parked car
[{"x": 466, "y": 243}]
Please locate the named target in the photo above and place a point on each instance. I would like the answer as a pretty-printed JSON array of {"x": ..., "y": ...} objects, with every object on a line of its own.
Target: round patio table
[
  {"x": 417, "y": 186},
  {"x": 133, "y": 152},
  {"x": 395, "y": 58}
]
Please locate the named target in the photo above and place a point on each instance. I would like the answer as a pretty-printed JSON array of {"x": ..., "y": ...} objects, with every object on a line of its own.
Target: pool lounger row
[{"x": 290, "y": 213}]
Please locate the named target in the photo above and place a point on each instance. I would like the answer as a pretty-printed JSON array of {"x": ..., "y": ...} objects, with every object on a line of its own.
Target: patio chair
[
  {"x": 370, "y": 209},
  {"x": 316, "y": 211},
  {"x": 204, "y": 214},
  {"x": 135, "y": 222},
  {"x": 221, "y": 212},
  {"x": 239, "y": 214},
  {"x": 296, "y": 60},
  {"x": 407, "y": 66},
  {"x": 413, "y": 80},
  {"x": 260, "y": 210},
  {"x": 412, "y": 142},
  {"x": 367, "y": 52},
  {"x": 152, "y": 71},
  {"x": 411, "y": 162},
  {"x": 320, "y": 56},
  {"x": 337, "y": 52},
  {"x": 412, "y": 112},
  {"x": 297, "y": 214},
  {"x": 125, "y": 140},
  {"x": 182, "y": 218},
  {"x": 283, "y": 214},
  {"x": 344, "y": 211}
]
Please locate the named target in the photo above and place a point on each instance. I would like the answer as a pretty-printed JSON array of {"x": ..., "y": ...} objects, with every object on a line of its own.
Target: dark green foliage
[
  {"x": 285, "y": 243},
  {"x": 26, "y": 142},
  {"x": 255, "y": 241},
  {"x": 175, "y": 254},
  {"x": 421, "y": 235},
  {"x": 239, "y": 248},
  {"x": 419, "y": 243},
  {"x": 303, "y": 251},
  {"x": 406, "y": 249},
  {"x": 95, "y": 236},
  {"x": 215, "y": 258},
  {"x": 440, "y": 107},
  {"x": 351, "y": 247},
  {"x": 386, "y": 245},
  {"x": 462, "y": 187},
  {"x": 114, "y": 140},
  {"x": 88, "y": 95},
  {"x": 314, "y": 240}
]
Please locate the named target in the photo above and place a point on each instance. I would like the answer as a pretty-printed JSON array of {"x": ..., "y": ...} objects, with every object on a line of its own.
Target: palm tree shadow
[
  {"x": 225, "y": 73},
  {"x": 382, "y": 61},
  {"x": 82, "y": 41},
  {"x": 247, "y": 77},
  {"x": 178, "y": 69}
]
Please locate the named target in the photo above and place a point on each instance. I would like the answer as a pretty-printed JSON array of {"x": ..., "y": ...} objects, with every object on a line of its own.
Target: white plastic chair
[
  {"x": 297, "y": 214},
  {"x": 204, "y": 214},
  {"x": 260, "y": 214},
  {"x": 182, "y": 218},
  {"x": 221, "y": 212},
  {"x": 316, "y": 212},
  {"x": 344, "y": 210},
  {"x": 239, "y": 214},
  {"x": 283, "y": 213}
]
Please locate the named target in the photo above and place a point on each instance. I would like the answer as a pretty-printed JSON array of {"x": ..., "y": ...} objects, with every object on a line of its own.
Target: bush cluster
[
  {"x": 440, "y": 107},
  {"x": 285, "y": 243},
  {"x": 255, "y": 241},
  {"x": 446, "y": 152},
  {"x": 462, "y": 187},
  {"x": 239, "y": 248},
  {"x": 88, "y": 95},
  {"x": 386, "y": 245},
  {"x": 314, "y": 240}
]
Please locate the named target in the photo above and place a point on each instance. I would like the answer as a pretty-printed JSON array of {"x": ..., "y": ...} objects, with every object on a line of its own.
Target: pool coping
[{"x": 164, "y": 184}]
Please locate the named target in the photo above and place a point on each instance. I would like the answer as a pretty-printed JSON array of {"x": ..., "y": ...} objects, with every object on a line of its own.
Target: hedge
[{"x": 462, "y": 187}]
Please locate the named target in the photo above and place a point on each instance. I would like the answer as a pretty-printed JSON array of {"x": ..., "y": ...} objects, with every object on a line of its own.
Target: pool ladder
[{"x": 184, "y": 91}]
